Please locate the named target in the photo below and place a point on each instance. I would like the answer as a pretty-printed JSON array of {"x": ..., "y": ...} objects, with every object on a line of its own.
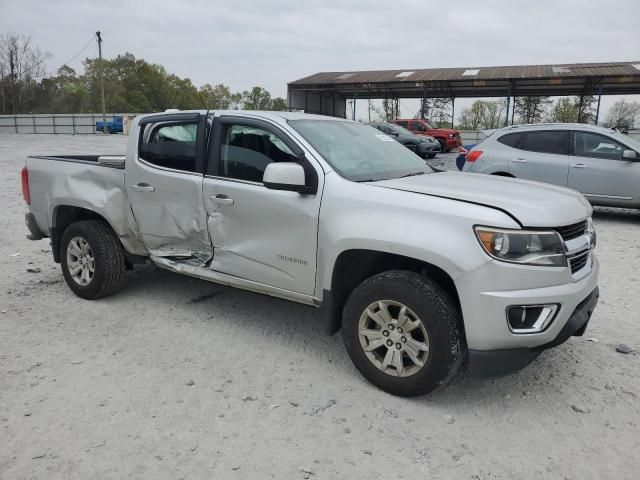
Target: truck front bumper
[
  {"x": 453, "y": 142},
  {"x": 494, "y": 349},
  {"x": 494, "y": 363}
]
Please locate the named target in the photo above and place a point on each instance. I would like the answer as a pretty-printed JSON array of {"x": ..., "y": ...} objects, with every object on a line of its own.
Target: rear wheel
[
  {"x": 92, "y": 259},
  {"x": 401, "y": 332}
]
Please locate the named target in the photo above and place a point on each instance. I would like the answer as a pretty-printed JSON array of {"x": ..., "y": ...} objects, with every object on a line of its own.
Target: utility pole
[
  {"x": 12, "y": 66},
  {"x": 104, "y": 108}
]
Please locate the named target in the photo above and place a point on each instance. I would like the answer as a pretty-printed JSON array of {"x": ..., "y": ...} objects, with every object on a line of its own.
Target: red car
[{"x": 448, "y": 138}]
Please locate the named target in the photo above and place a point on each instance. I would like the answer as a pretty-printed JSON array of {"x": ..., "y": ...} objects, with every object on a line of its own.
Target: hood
[{"x": 533, "y": 204}]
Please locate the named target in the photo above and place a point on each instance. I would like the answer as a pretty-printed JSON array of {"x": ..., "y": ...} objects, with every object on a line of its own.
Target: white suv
[{"x": 601, "y": 163}]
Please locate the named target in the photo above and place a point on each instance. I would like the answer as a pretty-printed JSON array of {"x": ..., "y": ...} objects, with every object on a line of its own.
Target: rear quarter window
[{"x": 510, "y": 139}]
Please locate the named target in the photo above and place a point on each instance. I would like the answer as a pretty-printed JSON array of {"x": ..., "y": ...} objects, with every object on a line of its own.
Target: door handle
[
  {"x": 578, "y": 165},
  {"x": 222, "y": 199},
  {"x": 519, "y": 160},
  {"x": 143, "y": 187}
]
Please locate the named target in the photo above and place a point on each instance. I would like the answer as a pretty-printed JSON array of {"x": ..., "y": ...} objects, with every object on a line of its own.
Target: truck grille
[
  {"x": 579, "y": 261},
  {"x": 572, "y": 231}
]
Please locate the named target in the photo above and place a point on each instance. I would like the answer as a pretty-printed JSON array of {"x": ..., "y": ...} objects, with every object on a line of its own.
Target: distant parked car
[
  {"x": 423, "y": 145},
  {"x": 601, "y": 163},
  {"x": 114, "y": 126},
  {"x": 448, "y": 138}
]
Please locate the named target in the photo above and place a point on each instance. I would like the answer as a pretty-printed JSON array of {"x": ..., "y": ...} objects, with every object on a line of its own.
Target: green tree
[
  {"x": 279, "y": 104},
  {"x": 564, "y": 110},
  {"x": 257, "y": 98},
  {"x": 568, "y": 109},
  {"x": 471, "y": 117},
  {"x": 216, "y": 97},
  {"x": 531, "y": 109}
]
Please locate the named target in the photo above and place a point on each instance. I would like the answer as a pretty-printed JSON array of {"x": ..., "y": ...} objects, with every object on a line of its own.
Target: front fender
[{"x": 434, "y": 230}]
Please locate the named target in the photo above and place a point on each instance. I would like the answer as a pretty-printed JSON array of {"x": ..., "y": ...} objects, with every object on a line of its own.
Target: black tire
[
  {"x": 438, "y": 315},
  {"x": 108, "y": 258},
  {"x": 443, "y": 146},
  {"x": 431, "y": 155}
]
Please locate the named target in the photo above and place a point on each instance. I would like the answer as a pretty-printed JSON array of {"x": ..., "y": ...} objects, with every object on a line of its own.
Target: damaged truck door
[
  {"x": 259, "y": 233},
  {"x": 164, "y": 185}
]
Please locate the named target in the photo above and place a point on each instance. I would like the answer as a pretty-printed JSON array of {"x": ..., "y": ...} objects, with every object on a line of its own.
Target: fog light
[{"x": 530, "y": 318}]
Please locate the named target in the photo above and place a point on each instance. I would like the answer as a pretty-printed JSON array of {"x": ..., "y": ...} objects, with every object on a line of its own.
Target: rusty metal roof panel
[{"x": 619, "y": 69}]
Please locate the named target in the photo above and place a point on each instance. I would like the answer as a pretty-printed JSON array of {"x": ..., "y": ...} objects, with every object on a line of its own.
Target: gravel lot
[{"x": 178, "y": 378}]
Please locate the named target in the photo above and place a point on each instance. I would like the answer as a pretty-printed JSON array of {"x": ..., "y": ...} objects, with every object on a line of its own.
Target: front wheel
[
  {"x": 92, "y": 259},
  {"x": 401, "y": 332}
]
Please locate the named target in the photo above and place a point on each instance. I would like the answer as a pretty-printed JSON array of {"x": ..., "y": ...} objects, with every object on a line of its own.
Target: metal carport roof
[{"x": 614, "y": 78}]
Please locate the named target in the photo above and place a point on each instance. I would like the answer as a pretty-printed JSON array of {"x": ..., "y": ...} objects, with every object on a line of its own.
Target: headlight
[
  {"x": 525, "y": 247},
  {"x": 451, "y": 135},
  {"x": 591, "y": 230}
]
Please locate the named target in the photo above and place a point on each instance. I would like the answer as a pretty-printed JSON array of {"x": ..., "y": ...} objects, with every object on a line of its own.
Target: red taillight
[
  {"x": 473, "y": 156},
  {"x": 25, "y": 186}
]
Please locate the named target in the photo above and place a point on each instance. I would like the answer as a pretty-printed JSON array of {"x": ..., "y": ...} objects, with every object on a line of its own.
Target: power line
[
  {"x": 78, "y": 54},
  {"x": 46, "y": 74}
]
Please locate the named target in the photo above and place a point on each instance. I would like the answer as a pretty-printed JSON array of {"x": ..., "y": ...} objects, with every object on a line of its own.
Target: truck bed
[{"x": 78, "y": 181}]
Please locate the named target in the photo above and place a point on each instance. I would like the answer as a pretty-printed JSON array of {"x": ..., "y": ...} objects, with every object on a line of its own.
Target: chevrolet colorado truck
[{"x": 424, "y": 271}]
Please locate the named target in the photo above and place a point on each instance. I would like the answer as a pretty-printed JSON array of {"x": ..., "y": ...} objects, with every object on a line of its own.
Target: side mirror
[
  {"x": 629, "y": 155},
  {"x": 287, "y": 176}
]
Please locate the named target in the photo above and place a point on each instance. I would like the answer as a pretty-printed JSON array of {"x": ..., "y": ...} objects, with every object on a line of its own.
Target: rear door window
[
  {"x": 402, "y": 123},
  {"x": 549, "y": 141},
  {"x": 511, "y": 139},
  {"x": 170, "y": 145}
]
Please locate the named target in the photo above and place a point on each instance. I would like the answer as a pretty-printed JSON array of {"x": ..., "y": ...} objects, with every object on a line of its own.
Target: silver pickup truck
[{"x": 423, "y": 270}]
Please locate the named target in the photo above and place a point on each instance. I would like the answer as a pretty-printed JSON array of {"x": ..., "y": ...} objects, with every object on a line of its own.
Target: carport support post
[
  {"x": 453, "y": 110},
  {"x": 598, "y": 107},
  {"x": 506, "y": 119},
  {"x": 353, "y": 115},
  {"x": 580, "y": 109}
]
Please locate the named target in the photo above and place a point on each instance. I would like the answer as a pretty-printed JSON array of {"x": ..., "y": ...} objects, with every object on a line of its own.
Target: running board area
[{"x": 205, "y": 273}]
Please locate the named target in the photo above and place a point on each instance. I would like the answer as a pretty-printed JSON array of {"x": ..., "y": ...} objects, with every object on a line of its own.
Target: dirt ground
[{"x": 176, "y": 378}]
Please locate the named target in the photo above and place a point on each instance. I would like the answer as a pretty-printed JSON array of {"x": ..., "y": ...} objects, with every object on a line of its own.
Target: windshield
[
  {"x": 625, "y": 139},
  {"x": 359, "y": 152}
]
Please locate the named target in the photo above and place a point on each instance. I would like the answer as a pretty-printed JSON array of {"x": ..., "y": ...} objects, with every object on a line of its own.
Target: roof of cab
[{"x": 272, "y": 115}]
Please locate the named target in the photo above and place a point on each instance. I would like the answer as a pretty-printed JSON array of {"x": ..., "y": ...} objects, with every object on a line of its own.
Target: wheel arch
[
  {"x": 64, "y": 215},
  {"x": 354, "y": 266},
  {"x": 503, "y": 174}
]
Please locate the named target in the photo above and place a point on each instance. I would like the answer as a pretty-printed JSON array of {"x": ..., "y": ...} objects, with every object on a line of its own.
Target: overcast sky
[{"x": 271, "y": 42}]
